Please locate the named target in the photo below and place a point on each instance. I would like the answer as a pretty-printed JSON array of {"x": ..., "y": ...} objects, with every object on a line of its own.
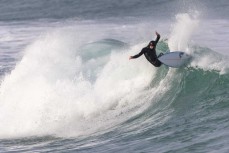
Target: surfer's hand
[
  {"x": 157, "y": 33},
  {"x": 130, "y": 57}
]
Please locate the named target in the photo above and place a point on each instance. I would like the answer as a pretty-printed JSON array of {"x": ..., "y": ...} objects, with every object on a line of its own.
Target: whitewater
[{"x": 67, "y": 84}]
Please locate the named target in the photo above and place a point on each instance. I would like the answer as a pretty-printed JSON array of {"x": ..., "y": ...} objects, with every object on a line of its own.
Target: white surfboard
[{"x": 175, "y": 59}]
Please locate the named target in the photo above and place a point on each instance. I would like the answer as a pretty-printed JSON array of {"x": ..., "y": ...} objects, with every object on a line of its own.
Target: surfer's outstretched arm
[{"x": 137, "y": 55}]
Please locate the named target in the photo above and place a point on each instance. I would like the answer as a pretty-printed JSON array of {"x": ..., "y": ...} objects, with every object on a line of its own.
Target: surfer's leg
[{"x": 157, "y": 63}]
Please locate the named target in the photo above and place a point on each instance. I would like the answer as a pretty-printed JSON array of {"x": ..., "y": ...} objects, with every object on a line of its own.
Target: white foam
[
  {"x": 48, "y": 92},
  {"x": 210, "y": 61},
  {"x": 181, "y": 38},
  {"x": 182, "y": 31}
]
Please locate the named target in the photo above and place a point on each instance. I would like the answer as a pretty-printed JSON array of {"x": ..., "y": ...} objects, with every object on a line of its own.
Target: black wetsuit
[{"x": 150, "y": 54}]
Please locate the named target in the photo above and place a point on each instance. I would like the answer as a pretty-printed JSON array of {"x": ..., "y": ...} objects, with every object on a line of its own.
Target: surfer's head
[{"x": 152, "y": 44}]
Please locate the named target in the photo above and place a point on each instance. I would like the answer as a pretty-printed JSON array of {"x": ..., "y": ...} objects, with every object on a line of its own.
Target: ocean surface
[{"x": 67, "y": 84}]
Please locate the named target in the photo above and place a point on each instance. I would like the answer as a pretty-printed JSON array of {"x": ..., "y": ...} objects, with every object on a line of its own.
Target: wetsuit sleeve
[
  {"x": 139, "y": 54},
  {"x": 157, "y": 39}
]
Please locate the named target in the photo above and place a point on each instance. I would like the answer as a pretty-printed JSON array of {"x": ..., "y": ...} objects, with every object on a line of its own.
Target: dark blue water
[
  {"x": 99, "y": 9},
  {"x": 67, "y": 84}
]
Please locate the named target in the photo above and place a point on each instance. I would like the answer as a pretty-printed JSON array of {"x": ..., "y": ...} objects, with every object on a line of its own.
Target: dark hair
[{"x": 152, "y": 42}]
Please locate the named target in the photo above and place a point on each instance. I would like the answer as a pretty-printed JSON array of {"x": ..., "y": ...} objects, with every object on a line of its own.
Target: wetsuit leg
[{"x": 157, "y": 63}]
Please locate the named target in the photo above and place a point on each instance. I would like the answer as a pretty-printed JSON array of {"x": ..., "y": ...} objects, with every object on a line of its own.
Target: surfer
[{"x": 150, "y": 52}]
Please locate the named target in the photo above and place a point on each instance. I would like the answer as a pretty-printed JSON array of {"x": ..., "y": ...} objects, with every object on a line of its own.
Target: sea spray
[
  {"x": 50, "y": 91},
  {"x": 182, "y": 31}
]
